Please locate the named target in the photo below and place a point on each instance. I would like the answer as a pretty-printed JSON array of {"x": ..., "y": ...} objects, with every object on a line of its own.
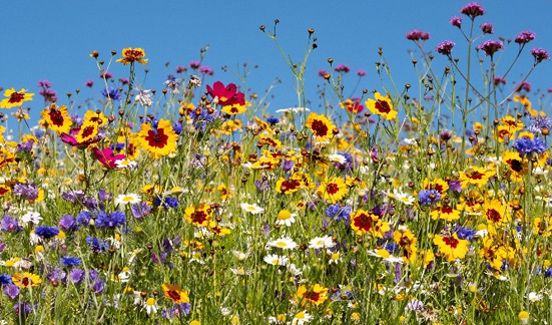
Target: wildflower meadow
[{"x": 195, "y": 202}]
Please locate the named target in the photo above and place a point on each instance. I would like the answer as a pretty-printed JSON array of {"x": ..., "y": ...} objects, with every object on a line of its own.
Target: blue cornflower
[
  {"x": 68, "y": 223},
  {"x": 465, "y": 233},
  {"x": 272, "y": 120},
  {"x": 84, "y": 217},
  {"x": 46, "y": 232},
  {"x": 5, "y": 279},
  {"x": 429, "y": 197},
  {"x": 526, "y": 146},
  {"x": 96, "y": 244},
  {"x": 112, "y": 220},
  {"x": 70, "y": 261},
  {"x": 111, "y": 93},
  {"x": 539, "y": 123},
  {"x": 338, "y": 212}
]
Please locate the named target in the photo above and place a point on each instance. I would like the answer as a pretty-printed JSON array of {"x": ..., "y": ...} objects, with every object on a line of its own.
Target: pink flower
[{"x": 107, "y": 157}]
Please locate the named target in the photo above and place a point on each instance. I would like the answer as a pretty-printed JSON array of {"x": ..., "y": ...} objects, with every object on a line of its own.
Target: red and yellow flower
[
  {"x": 364, "y": 222},
  {"x": 333, "y": 189},
  {"x": 158, "y": 142},
  {"x": 15, "y": 98},
  {"x": 451, "y": 246},
  {"x": 446, "y": 213},
  {"x": 321, "y": 127},
  {"x": 382, "y": 106},
  {"x": 478, "y": 176},
  {"x": 199, "y": 215},
  {"x": 496, "y": 212},
  {"x": 131, "y": 55},
  {"x": 175, "y": 293},
  {"x": 56, "y": 118},
  {"x": 25, "y": 280},
  {"x": 316, "y": 294}
]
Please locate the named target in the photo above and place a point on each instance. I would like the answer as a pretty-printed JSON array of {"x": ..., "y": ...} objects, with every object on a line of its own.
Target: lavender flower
[
  {"x": 27, "y": 190},
  {"x": 10, "y": 224},
  {"x": 76, "y": 276},
  {"x": 206, "y": 71},
  {"x": 361, "y": 73},
  {"x": 539, "y": 123},
  {"x": 11, "y": 290}
]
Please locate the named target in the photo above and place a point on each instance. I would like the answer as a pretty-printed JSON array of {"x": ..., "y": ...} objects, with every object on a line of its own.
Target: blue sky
[{"x": 52, "y": 39}]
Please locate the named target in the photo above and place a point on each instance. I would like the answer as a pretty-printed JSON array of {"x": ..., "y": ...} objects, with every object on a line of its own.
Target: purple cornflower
[
  {"x": 417, "y": 35},
  {"x": 445, "y": 48},
  {"x": 76, "y": 276},
  {"x": 490, "y": 47},
  {"x": 140, "y": 210},
  {"x": 525, "y": 37},
  {"x": 68, "y": 223},
  {"x": 526, "y": 146},
  {"x": 540, "y": 54},
  {"x": 10, "y": 224},
  {"x": 455, "y": 186},
  {"x": 487, "y": 28},
  {"x": 342, "y": 68},
  {"x": 22, "y": 309},
  {"x": 473, "y": 10},
  {"x": 456, "y": 21},
  {"x": 429, "y": 197},
  {"x": 11, "y": 290},
  {"x": 206, "y": 70},
  {"x": 26, "y": 190}
]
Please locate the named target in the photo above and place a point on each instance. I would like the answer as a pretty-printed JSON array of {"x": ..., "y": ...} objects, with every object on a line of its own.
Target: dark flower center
[
  {"x": 158, "y": 140},
  {"x": 383, "y": 106},
  {"x": 16, "y": 97},
  {"x": 320, "y": 128}
]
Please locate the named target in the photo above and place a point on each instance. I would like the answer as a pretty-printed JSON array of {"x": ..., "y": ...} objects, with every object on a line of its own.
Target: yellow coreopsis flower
[
  {"x": 15, "y": 98},
  {"x": 451, "y": 246},
  {"x": 160, "y": 141},
  {"x": 381, "y": 106},
  {"x": 321, "y": 127},
  {"x": 133, "y": 55}
]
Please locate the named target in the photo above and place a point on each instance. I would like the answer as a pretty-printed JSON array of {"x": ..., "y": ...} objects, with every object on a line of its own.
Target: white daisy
[
  {"x": 402, "y": 197},
  {"x": 126, "y": 163},
  {"x": 534, "y": 297},
  {"x": 283, "y": 243},
  {"x": 151, "y": 306},
  {"x": 125, "y": 199},
  {"x": 285, "y": 218},
  {"x": 276, "y": 260},
  {"x": 321, "y": 242},
  {"x": 337, "y": 158},
  {"x": 252, "y": 208},
  {"x": 301, "y": 318}
]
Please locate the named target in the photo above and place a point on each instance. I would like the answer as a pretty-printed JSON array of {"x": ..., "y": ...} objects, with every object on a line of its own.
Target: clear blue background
[{"x": 52, "y": 39}]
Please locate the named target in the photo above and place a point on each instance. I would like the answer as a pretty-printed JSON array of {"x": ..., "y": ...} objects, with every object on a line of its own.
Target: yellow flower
[
  {"x": 478, "y": 176},
  {"x": 26, "y": 280},
  {"x": 495, "y": 212},
  {"x": 95, "y": 117},
  {"x": 158, "y": 142},
  {"x": 446, "y": 213},
  {"x": 523, "y": 317},
  {"x": 333, "y": 189},
  {"x": 451, "y": 246},
  {"x": 321, "y": 127},
  {"x": 131, "y": 55},
  {"x": 364, "y": 222},
  {"x": 234, "y": 109},
  {"x": 15, "y": 98},
  {"x": 381, "y": 106}
]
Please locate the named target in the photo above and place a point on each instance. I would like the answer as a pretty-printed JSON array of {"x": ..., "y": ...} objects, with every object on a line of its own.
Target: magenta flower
[
  {"x": 445, "y": 48},
  {"x": 70, "y": 139},
  {"x": 195, "y": 65},
  {"x": 107, "y": 157},
  {"x": 473, "y": 10},
  {"x": 361, "y": 73},
  {"x": 487, "y": 28},
  {"x": 417, "y": 35},
  {"x": 525, "y": 37},
  {"x": 540, "y": 54},
  {"x": 180, "y": 69},
  {"x": 456, "y": 21},
  {"x": 322, "y": 72},
  {"x": 490, "y": 47},
  {"x": 342, "y": 68}
]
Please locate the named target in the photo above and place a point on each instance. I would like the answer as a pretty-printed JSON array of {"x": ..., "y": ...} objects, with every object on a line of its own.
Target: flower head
[
  {"x": 417, "y": 35},
  {"x": 131, "y": 55},
  {"x": 473, "y": 10},
  {"x": 15, "y": 98},
  {"x": 490, "y": 47},
  {"x": 524, "y": 37},
  {"x": 456, "y": 21},
  {"x": 540, "y": 55},
  {"x": 445, "y": 48}
]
